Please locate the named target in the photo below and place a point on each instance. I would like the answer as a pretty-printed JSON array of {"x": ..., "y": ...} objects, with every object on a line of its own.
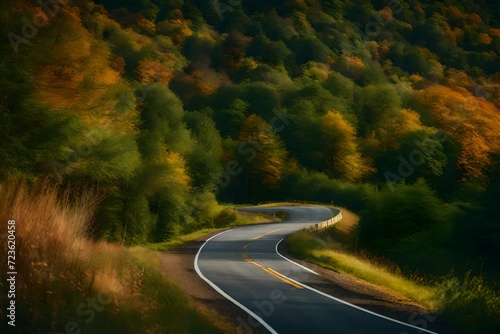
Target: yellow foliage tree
[
  {"x": 392, "y": 127},
  {"x": 177, "y": 166},
  {"x": 341, "y": 154}
]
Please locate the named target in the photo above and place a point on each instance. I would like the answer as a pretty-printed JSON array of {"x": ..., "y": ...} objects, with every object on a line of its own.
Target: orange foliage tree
[{"x": 472, "y": 122}]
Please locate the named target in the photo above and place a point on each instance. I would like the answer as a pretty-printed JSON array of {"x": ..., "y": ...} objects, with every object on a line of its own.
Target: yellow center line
[
  {"x": 283, "y": 278},
  {"x": 260, "y": 236},
  {"x": 271, "y": 272}
]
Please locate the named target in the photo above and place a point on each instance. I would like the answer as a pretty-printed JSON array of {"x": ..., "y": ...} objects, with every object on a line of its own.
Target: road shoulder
[
  {"x": 368, "y": 296},
  {"x": 178, "y": 264}
]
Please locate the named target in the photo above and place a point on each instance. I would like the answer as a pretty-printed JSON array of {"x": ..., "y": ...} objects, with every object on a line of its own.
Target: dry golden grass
[
  {"x": 348, "y": 222},
  {"x": 59, "y": 269},
  {"x": 50, "y": 230}
]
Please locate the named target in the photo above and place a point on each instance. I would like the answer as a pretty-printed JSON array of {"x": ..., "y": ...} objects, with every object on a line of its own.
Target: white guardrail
[{"x": 329, "y": 222}]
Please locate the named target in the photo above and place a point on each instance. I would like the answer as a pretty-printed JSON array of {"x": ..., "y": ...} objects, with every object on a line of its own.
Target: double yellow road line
[{"x": 270, "y": 271}]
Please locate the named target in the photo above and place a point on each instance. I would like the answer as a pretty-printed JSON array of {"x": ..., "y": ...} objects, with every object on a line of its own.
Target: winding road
[{"x": 244, "y": 265}]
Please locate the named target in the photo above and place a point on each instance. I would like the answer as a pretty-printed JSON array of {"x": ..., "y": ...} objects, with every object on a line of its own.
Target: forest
[{"x": 168, "y": 108}]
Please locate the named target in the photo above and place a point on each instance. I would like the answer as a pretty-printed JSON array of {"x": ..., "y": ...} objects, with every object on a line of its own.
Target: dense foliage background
[{"x": 168, "y": 106}]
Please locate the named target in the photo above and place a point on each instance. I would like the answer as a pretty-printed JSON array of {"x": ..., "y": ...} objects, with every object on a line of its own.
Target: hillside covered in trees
[{"x": 168, "y": 107}]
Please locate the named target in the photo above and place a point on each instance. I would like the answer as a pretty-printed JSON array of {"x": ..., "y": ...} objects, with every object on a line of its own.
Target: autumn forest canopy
[{"x": 169, "y": 107}]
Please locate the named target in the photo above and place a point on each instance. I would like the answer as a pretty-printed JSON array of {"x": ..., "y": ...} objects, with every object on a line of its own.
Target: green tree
[
  {"x": 162, "y": 126},
  {"x": 204, "y": 159},
  {"x": 229, "y": 120},
  {"x": 163, "y": 178},
  {"x": 310, "y": 49},
  {"x": 376, "y": 103},
  {"x": 392, "y": 216},
  {"x": 273, "y": 53},
  {"x": 264, "y": 156},
  {"x": 340, "y": 86},
  {"x": 262, "y": 99}
]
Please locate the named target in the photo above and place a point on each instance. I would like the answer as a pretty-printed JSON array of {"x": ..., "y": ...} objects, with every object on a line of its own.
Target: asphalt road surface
[{"x": 243, "y": 264}]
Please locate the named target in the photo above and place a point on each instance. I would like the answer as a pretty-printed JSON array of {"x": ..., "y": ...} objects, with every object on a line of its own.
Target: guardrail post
[{"x": 329, "y": 222}]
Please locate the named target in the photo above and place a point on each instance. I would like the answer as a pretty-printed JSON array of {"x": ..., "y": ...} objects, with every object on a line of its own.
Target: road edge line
[
  {"x": 303, "y": 267},
  {"x": 347, "y": 303},
  {"x": 225, "y": 295}
]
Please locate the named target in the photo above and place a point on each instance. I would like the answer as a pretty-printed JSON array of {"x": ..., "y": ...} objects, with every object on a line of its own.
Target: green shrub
[{"x": 226, "y": 217}]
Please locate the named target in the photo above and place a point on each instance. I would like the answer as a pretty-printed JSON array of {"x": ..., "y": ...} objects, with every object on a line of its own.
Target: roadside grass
[
  {"x": 240, "y": 218},
  {"x": 471, "y": 303},
  {"x": 329, "y": 248},
  {"x": 249, "y": 217},
  {"x": 180, "y": 240},
  {"x": 305, "y": 246},
  {"x": 468, "y": 302},
  {"x": 342, "y": 233},
  {"x": 68, "y": 283}
]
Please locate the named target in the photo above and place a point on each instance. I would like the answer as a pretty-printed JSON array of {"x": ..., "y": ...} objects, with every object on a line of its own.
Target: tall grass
[
  {"x": 306, "y": 246},
  {"x": 65, "y": 280},
  {"x": 471, "y": 303},
  {"x": 468, "y": 302}
]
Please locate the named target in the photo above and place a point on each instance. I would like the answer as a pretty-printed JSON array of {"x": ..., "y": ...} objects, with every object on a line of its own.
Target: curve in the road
[{"x": 243, "y": 264}]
